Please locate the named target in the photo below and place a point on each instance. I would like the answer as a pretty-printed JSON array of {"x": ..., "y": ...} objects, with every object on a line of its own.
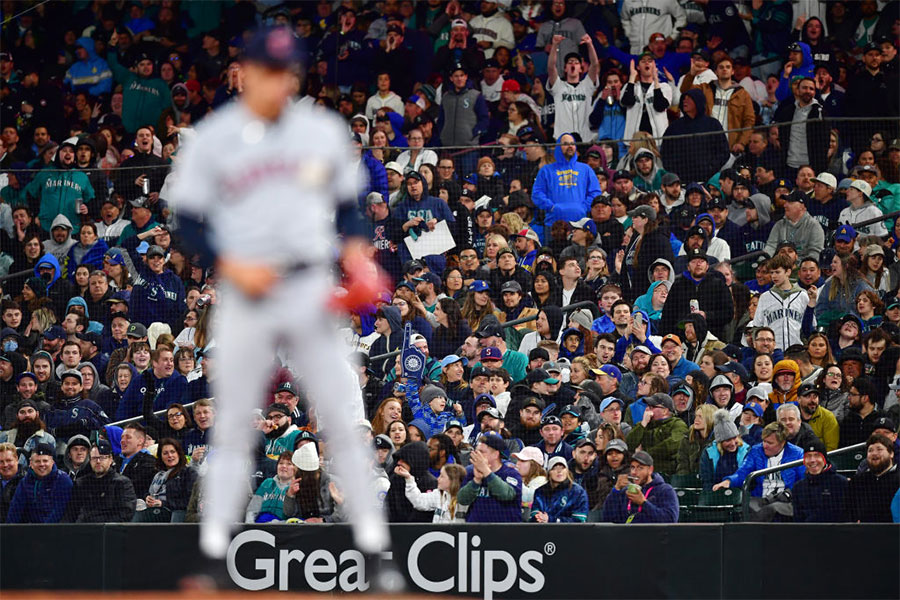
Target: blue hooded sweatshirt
[
  {"x": 806, "y": 69},
  {"x": 92, "y": 75},
  {"x": 564, "y": 189},
  {"x": 41, "y": 500},
  {"x": 644, "y": 303},
  {"x": 168, "y": 390}
]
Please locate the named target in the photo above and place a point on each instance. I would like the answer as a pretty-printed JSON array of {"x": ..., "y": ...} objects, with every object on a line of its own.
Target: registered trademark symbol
[{"x": 549, "y": 548}]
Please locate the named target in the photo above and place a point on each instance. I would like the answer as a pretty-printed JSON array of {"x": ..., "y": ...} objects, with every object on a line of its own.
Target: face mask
[
  {"x": 46, "y": 277},
  {"x": 10, "y": 346}
]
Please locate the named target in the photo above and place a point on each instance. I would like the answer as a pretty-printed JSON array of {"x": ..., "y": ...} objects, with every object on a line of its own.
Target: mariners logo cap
[{"x": 276, "y": 47}]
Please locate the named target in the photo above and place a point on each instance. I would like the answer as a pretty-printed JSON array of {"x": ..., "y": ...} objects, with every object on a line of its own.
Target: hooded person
[
  {"x": 90, "y": 73},
  {"x": 651, "y": 303},
  {"x": 755, "y": 225},
  {"x": 784, "y": 394},
  {"x": 564, "y": 351},
  {"x": 109, "y": 398},
  {"x": 694, "y": 161},
  {"x": 718, "y": 461},
  {"x": 715, "y": 247},
  {"x": 649, "y": 180},
  {"x": 704, "y": 341},
  {"x": 181, "y": 102},
  {"x": 90, "y": 255},
  {"x": 564, "y": 189},
  {"x": 683, "y": 399},
  {"x": 414, "y": 457},
  {"x": 60, "y": 249},
  {"x": 389, "y": 340},
  {"x": 806, "y": 68},
  {"x": 61, "y": 190},
  {"x": 59, "y": 289},
  {"x": 627, "y": 343},
  {"x": 77, "y": 470},
  {"x": 97, "y": 389},
  {"x": 722, "y": 400}
]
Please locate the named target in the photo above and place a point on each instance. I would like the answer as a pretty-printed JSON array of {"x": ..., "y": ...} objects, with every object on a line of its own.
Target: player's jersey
[{"x": 246, "y": 177}]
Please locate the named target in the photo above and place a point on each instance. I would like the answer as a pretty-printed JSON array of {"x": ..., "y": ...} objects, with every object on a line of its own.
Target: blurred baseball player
[{"x": 258, "y": 189}]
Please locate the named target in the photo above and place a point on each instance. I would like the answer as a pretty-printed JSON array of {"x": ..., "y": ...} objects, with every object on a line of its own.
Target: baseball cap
[
  {"x": 511, "y": 286},
  {"x": 621, "y": 174},
  {"x": 25, "y": 374},
  {"x": 611, "y": 371},
  {"x": 643, "y": 458},
  {"x": 484, "y": 399},
  {"x": 278, "y": 407},
  {"x": 89, "y": 336},
  {"x": 701, "y": 53},
  {"x": 586, "y": 442},
  {"x": 616, "y": 444},
  {"x": 552, "y": 367},
  {"x": 530, "y": 453},
  {"x": 555, "y": 462},
  {"x": 862, "y": 186},
  {"x": 417, "y": 100},
  {"x": 696, "y": 253},
  {"x": 716, "y": 203},
  {"x": 383, "y": 442},
  {"x": 287, "y": 386},
  {"x": 610, "y": 400},
  {"x": 479, "y": 285},
  {"x": 786, "y": 244},
  {"x": 753, "y": 407},
  {"x": 479, "y": 371},
  {"x": 643, "y": 210},
  {"x": 885, "y": 423},
  {"x": 872, "y": 47},
  {"x": 453, "y": 358},
  {"x": 453, "y": 424},
  {"x": 494, "y": 441},
  {"x": 491, "y": 353},
  {"x": 491, "y": 412},
  {"x": 42, "y": 449},
  {"x": 393, "y": 166},
  {"x": 585, "y": 224},
  {"x": 670, "y": 178},
  {"x": 655, "y": 37},
  {"x": 660, "y": 399},
  {"x": 845, "y": 233},
  {"x": 784, "y": 183},
  {"x": 825, "y": 178},
  {"x": 643, "y": 349},
  {"x": 136, "y": 330},
  {"x": 374, "y": 198},
  {"x": 528, "y": 234},
  {"x": 511, "y": 85},
  {"x": 414, "y": 175},
  {"x": 533, "y": 401},
  {"x": 459, "y": 23},
  {"x": 71, "y": 373},
  {"x": 570, "y": 409},
  {"x": 538, "y": 375},
  {"x": 490, "y": 329},
  {"x": 795, "y": 47},
  {"x": 895, "y": 144},
  {"x": 155, "y": 250},
  {"x": 670, "y": 338},
  {"x": 551, "y": 420},
  {"x": 56, "y": 332},
  {"x": 874, "y": 249},
  {"x": 798, "y": 196},
  {"x": 538, "y": 353},
  {"x": 807, "y": 388}
]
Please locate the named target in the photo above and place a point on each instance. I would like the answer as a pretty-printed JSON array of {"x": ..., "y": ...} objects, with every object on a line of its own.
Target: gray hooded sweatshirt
[{"x": 60, "y": 251}]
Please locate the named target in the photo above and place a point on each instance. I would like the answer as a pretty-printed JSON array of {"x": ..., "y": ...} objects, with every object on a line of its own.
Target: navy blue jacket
[
  {"x": 75, "y": 416},
  {"x": 661, "y": 505},
  {"x": 565, "y": 504},
  {"x": 155, "y": 297},
  {"x": 41, "y": 500},
  {"x": 168, "y": 391},
  {"x": 820, "y": 498}
]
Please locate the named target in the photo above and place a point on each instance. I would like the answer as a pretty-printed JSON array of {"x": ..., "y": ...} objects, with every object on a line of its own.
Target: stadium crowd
[{"x": 515, "y": 158}]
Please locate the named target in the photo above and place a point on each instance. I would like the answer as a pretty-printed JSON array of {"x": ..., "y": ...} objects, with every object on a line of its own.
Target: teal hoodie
[
  {"x": 59, "y": 190},
  {"x": 143, "y": 98}
]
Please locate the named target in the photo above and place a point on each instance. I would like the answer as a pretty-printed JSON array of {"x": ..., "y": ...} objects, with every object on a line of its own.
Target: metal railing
[
  {"x": 750, "y": 481},
  {"x": 157, "y": 413},
  {"x": 508, "y": 324}
]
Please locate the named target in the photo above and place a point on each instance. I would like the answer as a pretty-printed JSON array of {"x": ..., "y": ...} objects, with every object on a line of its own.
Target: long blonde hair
[
  {"x": 707, "y": 411},
  {"x": 456, "y": 474}
]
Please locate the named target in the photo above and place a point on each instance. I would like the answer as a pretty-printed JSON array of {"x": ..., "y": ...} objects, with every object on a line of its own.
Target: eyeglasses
[
  {"x": 399, "y": 303},
  {"x": 175, "y": 415},
  {"x": 838, "y": 375},
  {"x": 99, "y": 458},
  {"x": 853, "y": 394},
  {"x": 765, "y": 339}
]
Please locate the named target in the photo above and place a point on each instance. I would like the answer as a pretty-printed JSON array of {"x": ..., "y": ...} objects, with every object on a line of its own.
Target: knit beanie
[
  {"x": 37, "y": 286},
  {"x": 723, "y": 427}
]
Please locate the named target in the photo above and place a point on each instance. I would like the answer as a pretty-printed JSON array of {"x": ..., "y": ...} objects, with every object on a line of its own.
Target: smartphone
[{"x": 639, "y": 320}]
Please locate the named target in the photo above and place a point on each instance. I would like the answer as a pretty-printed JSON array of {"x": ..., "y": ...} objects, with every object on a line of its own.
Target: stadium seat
[
  {"x": 687, "y": 496},
  {"x": 724, "y": 497},
  {"x": 847, "y": 461},
  {"x": 691, "y": 480}
]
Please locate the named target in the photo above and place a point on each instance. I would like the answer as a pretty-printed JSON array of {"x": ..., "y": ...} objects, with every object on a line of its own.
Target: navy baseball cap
[
  {"x": 56, "y": 332},
  {"x": 845, "y": 233},
  {"x": 275, "y": 47},
  {"x": 491, "y": 353},
  {"x": 89, "y": 336}
]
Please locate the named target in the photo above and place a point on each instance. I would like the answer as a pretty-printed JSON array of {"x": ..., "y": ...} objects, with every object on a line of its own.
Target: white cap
[
  {"x": 530, "y": 453},
  {"x": 306, "y": 458},
  {"x": 826, "y": 179},
  {"x": 394, "y": 166},
  {"x": 557, "y": 460},
  {"x": 862, "y": 186}
]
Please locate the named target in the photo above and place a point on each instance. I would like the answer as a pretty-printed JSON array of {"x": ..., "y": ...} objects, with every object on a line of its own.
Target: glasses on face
[
  {"x": 175, "y": 415},
  {"x": 455, "y": 277},
  {"x": 853, "y": 394},
  {"x": 100, "y": 458},
  {"x": 399, "y": 303},
  {"x": 765, "y": 339},
  {"x": 838, "y": 375}
]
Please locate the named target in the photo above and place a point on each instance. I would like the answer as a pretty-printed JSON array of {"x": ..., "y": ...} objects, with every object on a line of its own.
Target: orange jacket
[{"x": 740, "y": 108}]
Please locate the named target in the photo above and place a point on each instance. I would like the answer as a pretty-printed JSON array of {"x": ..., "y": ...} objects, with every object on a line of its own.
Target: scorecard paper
[{"x": 437, "y": 241}]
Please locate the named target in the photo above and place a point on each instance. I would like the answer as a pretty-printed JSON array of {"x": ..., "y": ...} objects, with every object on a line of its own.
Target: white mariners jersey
[
  {"x": 267, "y": 190},
  {"x": 572, "y": 105}
]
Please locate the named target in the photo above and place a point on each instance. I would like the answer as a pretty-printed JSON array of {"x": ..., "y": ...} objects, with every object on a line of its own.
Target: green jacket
[
  {"x": 689, "y": 454},
  {"x": 661, "y": 439},
  {"x": 143, "y": 100},
  {"x": 59, "y": 191}
]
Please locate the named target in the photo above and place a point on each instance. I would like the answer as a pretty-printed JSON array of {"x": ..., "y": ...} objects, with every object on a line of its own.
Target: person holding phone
[{"x": 641, "y": 496}]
